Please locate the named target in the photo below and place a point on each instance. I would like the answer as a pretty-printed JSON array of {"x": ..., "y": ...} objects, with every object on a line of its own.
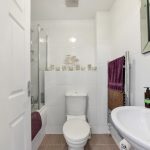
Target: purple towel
[
  {"x": 116, "y": 74},
  {"x": 36, "y": 123}
]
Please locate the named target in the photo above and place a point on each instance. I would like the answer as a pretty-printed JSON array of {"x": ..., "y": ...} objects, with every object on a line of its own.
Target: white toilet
[{"x": 76, "y": 129}]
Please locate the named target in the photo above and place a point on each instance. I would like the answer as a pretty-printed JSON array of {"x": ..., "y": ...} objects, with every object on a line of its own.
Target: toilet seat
[{"x": 76, "y": 130}]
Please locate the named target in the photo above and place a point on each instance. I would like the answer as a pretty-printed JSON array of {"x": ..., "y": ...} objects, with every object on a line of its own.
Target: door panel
[
  {"x": 20, "y": 4},
  {"x": 17, "y": 11},
  {"x": 17, "y": 97},
  {"x": 17, "y": 58},
  {"x": 15, "y": 107},
  {"x": 17, "y": 133}
]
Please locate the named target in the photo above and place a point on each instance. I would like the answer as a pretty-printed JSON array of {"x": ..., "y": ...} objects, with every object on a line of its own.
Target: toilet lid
[{"x": 76, "y": 129}]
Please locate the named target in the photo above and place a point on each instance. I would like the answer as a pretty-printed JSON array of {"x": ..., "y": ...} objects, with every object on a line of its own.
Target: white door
[{"x": 15, "y": 110}]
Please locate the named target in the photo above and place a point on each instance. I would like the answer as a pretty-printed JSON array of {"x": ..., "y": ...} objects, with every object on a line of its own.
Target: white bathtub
[{"x": 39, "y": 137}]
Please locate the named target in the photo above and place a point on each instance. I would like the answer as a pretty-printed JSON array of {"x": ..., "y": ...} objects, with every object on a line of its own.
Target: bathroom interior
[
  {"x": 76, "y": 45},
  {"x": 87, "y": 63}
]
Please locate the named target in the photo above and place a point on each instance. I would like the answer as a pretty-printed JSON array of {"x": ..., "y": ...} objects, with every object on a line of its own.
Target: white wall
[
  {"x": 60, "y": 31},
  {"x": 125, "y": 24},
  {"x": 95, "y": 83},
  {"x": 103, "y": 48}
]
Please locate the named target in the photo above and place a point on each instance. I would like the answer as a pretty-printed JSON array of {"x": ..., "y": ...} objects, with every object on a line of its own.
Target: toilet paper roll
[{"x": 124, "y": 145}]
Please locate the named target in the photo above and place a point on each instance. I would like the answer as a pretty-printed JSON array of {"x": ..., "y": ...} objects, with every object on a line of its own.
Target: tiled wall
[
  {"x": 96, "y": 35},
  {"x": 59, "y": 45},
  {"x": 56, "y": 84},
  {"x": 104, "y": 47}
]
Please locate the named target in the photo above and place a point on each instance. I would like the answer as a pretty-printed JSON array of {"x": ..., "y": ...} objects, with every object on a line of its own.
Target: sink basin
[{"x": 133, "y": 123}]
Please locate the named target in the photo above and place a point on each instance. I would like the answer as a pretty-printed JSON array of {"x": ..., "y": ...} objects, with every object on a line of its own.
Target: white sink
[{"x": 133, "y": 123}]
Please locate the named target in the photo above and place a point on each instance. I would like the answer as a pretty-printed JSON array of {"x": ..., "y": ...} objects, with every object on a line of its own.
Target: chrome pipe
[{"x": 127, "y": 79}]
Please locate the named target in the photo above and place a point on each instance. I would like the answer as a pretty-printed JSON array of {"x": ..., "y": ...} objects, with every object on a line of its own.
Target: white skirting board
[{"x": 39, "y": 137}]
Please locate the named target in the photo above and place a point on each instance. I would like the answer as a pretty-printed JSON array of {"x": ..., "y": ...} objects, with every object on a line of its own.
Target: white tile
[
  {"x": 59, "y": 33},
  {"x": 55, "y": 99},
  {"x": 92, "y": 95},
  {"x": 55, "y": 95},
  {"x": 56, "y": 115},
  {"x": 92, "y": 116}
]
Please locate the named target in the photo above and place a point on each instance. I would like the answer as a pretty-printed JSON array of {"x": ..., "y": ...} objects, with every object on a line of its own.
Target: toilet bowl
[{"x": 76, "y": 132}]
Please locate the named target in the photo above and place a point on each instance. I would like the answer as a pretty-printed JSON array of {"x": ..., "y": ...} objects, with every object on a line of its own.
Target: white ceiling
[{"x": 56, "y": 9}]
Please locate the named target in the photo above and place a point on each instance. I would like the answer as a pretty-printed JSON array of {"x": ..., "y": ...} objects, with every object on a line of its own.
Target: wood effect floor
[{"x": 97, "y": 142}]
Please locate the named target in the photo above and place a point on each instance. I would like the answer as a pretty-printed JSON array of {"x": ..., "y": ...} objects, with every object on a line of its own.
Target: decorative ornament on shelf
[
  {"x": 71, "y": 60},
  {"x": 78, "y": 67},
  {"x": 71, "y": 63},
  {"x": 64, "y": 68},
  {"x": 83, "y": 68},
  {"x": 89, "y": 67},
  {"x": 57, "y": 68}
]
